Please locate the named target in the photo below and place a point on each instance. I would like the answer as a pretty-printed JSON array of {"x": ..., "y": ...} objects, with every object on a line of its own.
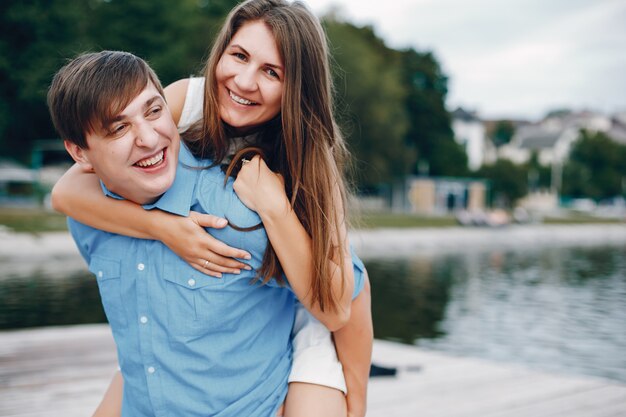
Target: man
[{"x": 179, "y": 346}]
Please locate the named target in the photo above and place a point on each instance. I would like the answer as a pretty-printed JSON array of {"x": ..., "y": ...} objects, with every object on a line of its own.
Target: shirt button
[
  {"x": 100, "y": 274},
  {"x": 143, "y": 319},
  {"x": 191, "y": 282},
  {"x": 141, "y": 267},
  {"x": 151, "y": 370}
]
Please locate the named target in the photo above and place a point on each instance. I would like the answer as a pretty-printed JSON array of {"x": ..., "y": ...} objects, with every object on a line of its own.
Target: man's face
[{"x": 136, "y": 155}]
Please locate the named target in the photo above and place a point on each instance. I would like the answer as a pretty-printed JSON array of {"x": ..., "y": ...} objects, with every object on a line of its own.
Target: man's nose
[{"x": 147, "y": 136}]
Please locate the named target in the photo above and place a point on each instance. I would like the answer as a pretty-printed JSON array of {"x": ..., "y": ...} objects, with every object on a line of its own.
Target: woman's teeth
[
  {"x": 144, "y": 163},
  {"x": 240, "y": 100}
]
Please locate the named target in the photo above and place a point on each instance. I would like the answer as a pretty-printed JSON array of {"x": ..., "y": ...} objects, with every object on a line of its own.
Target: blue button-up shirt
[{"x": 190, "y": 344}]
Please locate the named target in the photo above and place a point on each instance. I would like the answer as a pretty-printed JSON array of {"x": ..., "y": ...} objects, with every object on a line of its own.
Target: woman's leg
[
  {"x": 111, "y": 404},
  {"x": 311, "y": 400}
]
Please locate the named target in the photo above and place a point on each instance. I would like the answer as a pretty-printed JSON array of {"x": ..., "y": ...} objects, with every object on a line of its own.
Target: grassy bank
[
  {"x": 374, "y": 220},
  {"x": 31, "y": 220},
  {"x": 38, "y": 220}
]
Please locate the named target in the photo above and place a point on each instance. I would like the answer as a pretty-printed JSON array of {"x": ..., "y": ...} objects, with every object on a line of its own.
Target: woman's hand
[
  {"x": 260, "y": 189},
  {"x": 187, "y": 238}
]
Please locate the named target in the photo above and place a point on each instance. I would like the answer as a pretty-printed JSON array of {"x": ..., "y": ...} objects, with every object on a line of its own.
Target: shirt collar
[{"x": 179, "y": 197}]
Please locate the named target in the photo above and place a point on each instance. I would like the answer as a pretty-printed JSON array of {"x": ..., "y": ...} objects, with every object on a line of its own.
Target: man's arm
[{"x": 354, "y": 349}]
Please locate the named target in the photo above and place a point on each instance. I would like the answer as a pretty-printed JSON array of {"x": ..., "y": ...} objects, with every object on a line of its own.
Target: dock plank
[{"x": 63, "y": 371}]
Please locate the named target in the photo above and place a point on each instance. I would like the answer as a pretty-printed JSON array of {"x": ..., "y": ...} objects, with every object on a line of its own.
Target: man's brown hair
[{"x": 90, "y": 90}]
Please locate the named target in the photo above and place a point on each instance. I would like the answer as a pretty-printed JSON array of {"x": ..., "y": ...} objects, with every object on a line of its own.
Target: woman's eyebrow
[{"x": 275, "y": 66}]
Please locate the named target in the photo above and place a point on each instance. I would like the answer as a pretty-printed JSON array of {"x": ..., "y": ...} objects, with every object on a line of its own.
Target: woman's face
[{"x": 250, "y": 77}]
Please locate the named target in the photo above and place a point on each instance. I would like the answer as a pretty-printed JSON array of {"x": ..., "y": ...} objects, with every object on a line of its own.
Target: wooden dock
[{"x": 63, "y": 371}]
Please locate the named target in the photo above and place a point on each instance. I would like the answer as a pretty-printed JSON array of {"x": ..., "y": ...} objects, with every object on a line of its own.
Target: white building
[
  {"x": 552, "y": 138},
  {"x": 469, "y": 132}
]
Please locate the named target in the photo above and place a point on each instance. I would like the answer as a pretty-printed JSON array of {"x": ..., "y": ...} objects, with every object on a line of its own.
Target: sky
[{"x": 509, "y": 58}]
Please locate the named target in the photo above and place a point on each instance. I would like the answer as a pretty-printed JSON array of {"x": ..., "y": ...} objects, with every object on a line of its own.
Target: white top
[{"x": 194, "y": 100}]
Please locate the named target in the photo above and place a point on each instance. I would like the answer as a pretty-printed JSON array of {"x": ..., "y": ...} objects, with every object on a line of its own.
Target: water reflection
[
  {"x": 45, "y": 298},
  {"x": 561, "y": 309}
]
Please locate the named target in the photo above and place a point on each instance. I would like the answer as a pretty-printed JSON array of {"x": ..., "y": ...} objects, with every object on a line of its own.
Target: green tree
[
  {"x": 36, "y": 37},
  {"x": 173, "y": 36},
  {"x": 369, "y": 102},
  {"x": 39, "y": 36},
  {"x": 429, "y": 128},
  {"x": 539, "y": 176},
  {"x": 508, "y": 182},
  {"x": 503, "y": 132},
  {"x": 596, "y": 167}
]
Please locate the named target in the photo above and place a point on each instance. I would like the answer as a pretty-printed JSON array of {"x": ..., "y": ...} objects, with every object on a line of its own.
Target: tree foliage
[
  {"x": 369, "y": 100},
  {"x": 596, "y": 168},
  {"x": 508, "y": 182},
  {"x": 503, "y": 132},
  {"x": 390, "y": 102},
  {"x": 39, "y": 36},
  {"x": 429, "y": 130}
]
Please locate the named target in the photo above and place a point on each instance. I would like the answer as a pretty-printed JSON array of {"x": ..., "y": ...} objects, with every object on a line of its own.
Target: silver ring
[
  {"x": 206, "y": 264},
  {"x": 244, "y": 161}
]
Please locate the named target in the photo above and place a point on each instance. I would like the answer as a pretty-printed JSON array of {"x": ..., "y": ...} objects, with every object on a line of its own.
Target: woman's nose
[{"x": 246, "y": 80}]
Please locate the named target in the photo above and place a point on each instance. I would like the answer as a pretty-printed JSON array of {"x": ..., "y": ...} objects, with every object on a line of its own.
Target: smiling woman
[{"x": 250, "y": 77}]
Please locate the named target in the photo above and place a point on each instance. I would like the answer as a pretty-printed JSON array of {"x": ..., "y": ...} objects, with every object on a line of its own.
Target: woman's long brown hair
[{"x": 303, "y": 143}]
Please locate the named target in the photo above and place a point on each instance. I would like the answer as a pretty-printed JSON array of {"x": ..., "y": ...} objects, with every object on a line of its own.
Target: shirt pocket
[
  {"x": 108, "y": 275},
  {"x": 193, "y": 299}
]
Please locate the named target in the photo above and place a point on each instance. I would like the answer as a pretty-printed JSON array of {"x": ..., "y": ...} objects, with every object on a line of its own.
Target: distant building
[
  {"x": 552, "y": 145},
  {"x": 553, "y": 137},
  {"x": 18, "y": 184},
  {"x": 469, "y": 132},
  {"x": 444, "y": 195},
  {"x": 617, "y": 132}
]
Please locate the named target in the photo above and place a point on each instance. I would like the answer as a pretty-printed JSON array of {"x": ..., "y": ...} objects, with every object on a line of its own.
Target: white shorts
[{"x": 314, "y": 355}]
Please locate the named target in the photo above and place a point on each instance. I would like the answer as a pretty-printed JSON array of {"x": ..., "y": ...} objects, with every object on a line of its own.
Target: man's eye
[
  {"x": 117, "y": 130},
  {"x": 155, "y": 111}
]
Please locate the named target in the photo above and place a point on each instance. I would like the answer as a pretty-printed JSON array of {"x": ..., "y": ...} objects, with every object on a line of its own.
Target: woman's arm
[
  {"x": 78, "y": 194},
  {"x": 354, "y": 350},
  {"x": 263, "y": 191}
]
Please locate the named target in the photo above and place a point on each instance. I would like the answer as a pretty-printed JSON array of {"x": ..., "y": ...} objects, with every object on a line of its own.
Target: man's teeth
[
  {"x": 240, "y": 100},
  {"x": 151, "y": 161}
]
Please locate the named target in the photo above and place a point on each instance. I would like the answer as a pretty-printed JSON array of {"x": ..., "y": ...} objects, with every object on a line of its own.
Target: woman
[{"x": 268, "y": 92}]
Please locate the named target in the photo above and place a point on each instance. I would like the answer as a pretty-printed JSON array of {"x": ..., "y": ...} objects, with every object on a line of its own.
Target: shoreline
[
  {"x": 386, "y": 242},
  {"x": 368, "y": 243}
]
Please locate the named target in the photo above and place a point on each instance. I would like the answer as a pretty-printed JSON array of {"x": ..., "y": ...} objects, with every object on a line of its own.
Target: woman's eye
[
  {"x": 272, "y": 73},
  {"x": 239, "y": 55}
]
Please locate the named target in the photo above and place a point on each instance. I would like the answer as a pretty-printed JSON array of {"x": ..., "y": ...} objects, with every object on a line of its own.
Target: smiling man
[
  {"x": 133, "y": 149},
  {"x": 185, "y": 341}
]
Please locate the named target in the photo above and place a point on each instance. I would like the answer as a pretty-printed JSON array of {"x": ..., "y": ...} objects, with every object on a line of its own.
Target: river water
[
  {"x": 559, "y": 309},
  {"x": 555, "y": 308}
]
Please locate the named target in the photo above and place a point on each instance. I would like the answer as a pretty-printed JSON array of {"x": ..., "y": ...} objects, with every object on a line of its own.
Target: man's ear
[{"x": 79, "y": 155}]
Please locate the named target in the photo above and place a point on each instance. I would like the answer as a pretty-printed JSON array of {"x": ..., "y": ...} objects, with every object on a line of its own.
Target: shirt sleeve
[
  {"x": 82, "y": 237},
  {"x": 359, "y": 273}
]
